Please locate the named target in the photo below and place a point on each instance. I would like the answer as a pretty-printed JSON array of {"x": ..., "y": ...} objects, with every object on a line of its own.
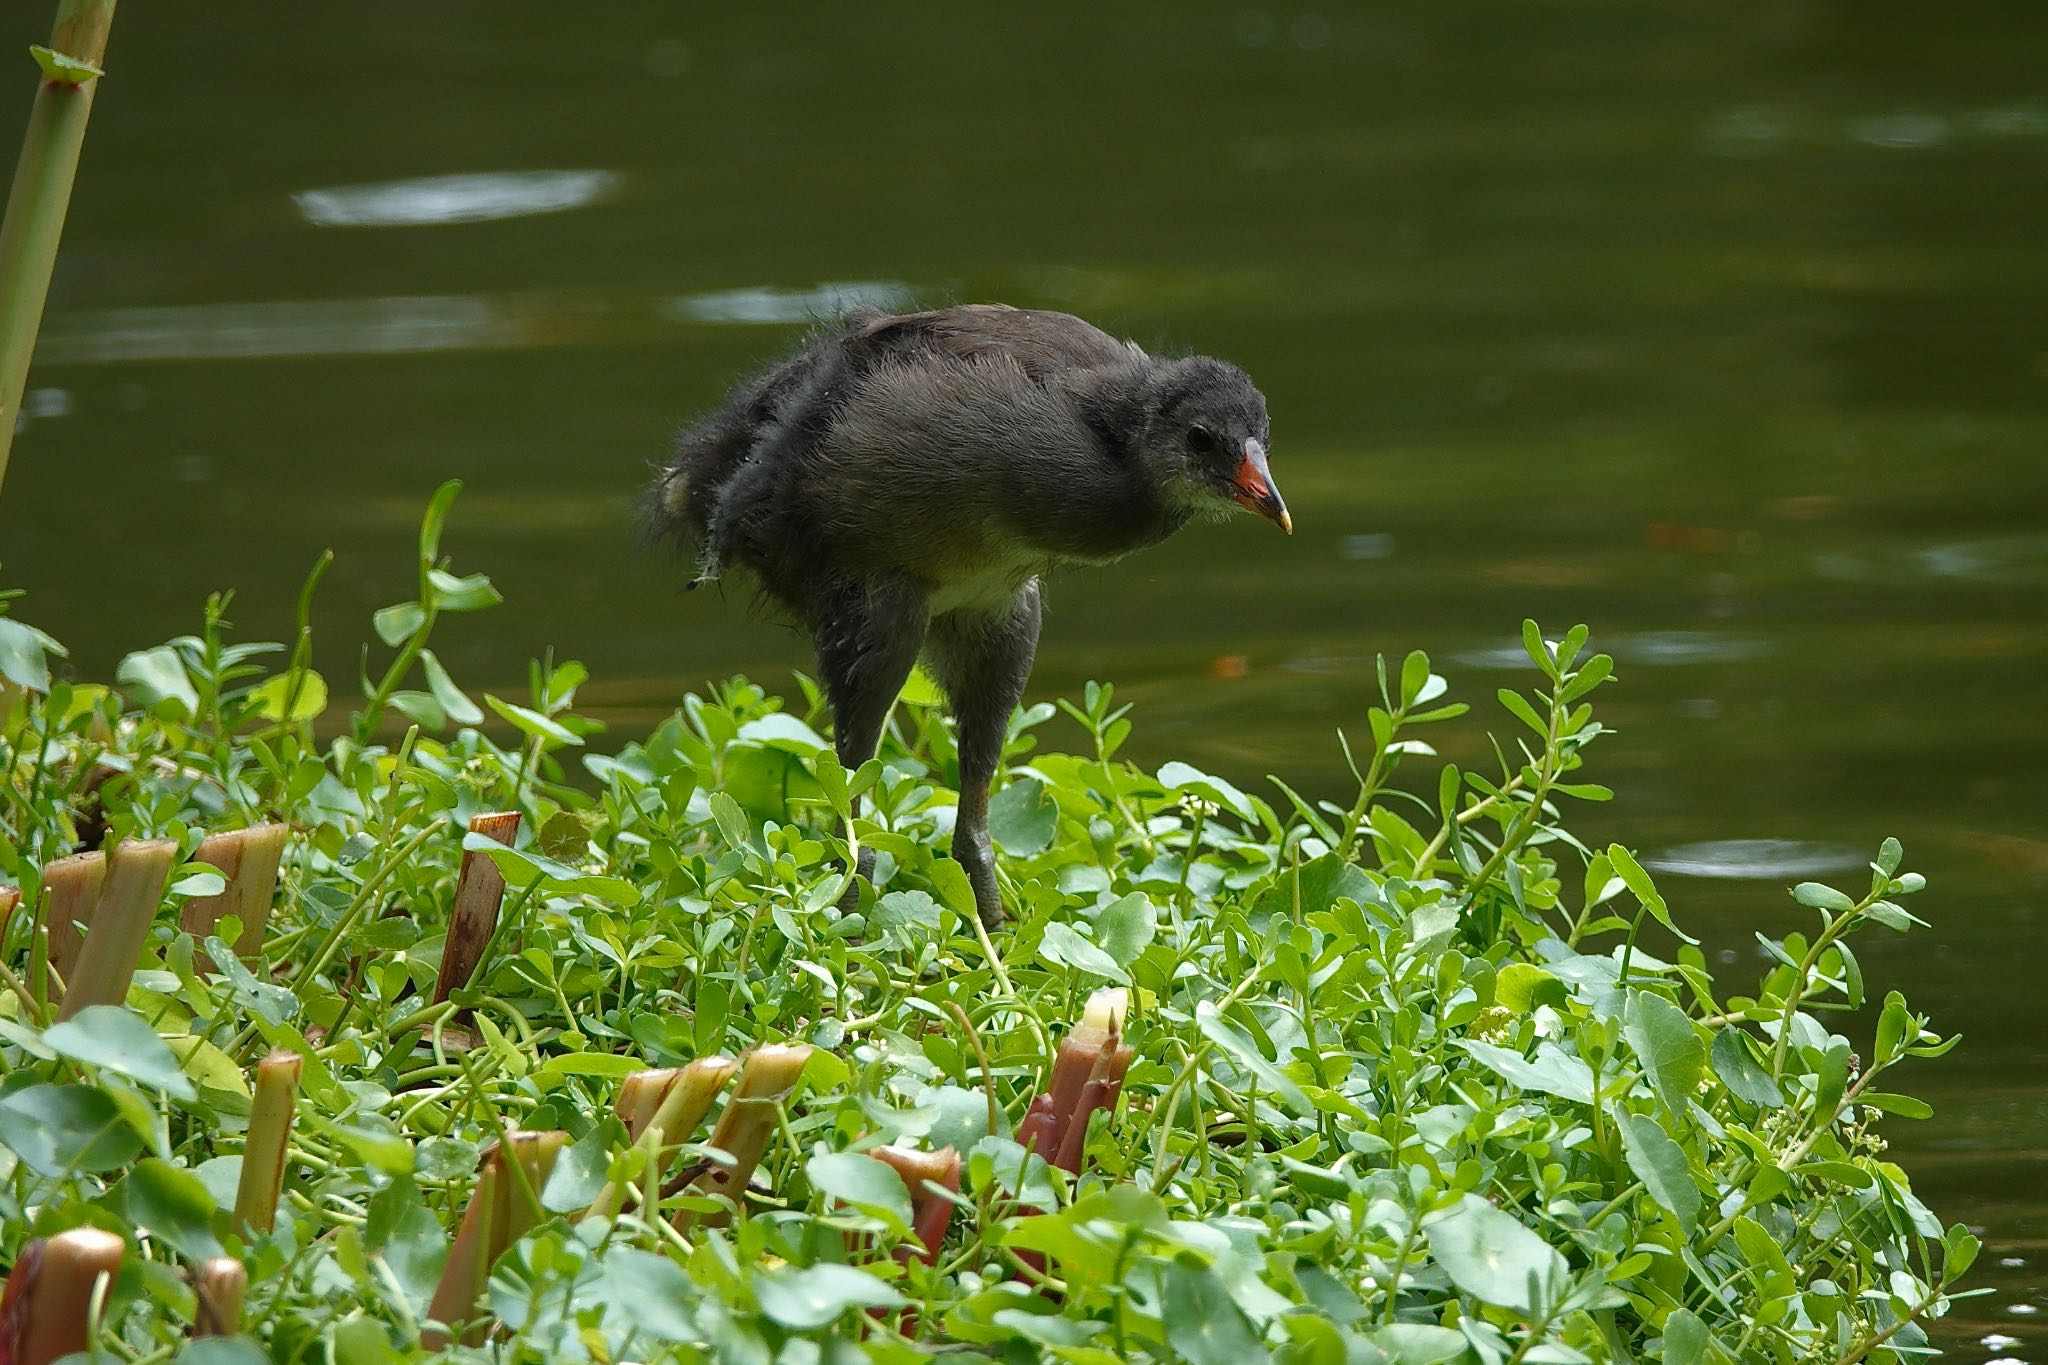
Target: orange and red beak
[{"x": 1252, "y": 488}]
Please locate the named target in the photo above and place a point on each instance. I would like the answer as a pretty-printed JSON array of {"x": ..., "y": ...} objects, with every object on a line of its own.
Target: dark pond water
[{"x": 1725, "y": 332}]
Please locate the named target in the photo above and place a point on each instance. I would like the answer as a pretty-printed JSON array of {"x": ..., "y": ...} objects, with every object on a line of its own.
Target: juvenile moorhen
[{"x": 899, "y": 483}]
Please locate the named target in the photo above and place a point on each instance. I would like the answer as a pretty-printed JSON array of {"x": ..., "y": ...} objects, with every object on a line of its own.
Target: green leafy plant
[{"x": 1416, "y": 1076}]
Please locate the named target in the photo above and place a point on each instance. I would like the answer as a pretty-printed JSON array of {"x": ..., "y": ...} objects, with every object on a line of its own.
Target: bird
[{"x": 898, "y": 485}]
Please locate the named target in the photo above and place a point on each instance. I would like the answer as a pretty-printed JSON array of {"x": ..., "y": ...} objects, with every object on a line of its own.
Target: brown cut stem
[
  {"x": 71, "y": 888},
  {"x": 219, "y": 1284},
  {"x": 680, "y": 1103},
  {"x": 275, "y": 1094},
  {"x": 767, "y": 1075},
  {"x": 931, "y": 1212},
  {"x": 473, "y": 916},
  {"x": 249, "y": 859},
  {"x": 502, "y": 1209},
  {"x": 128, "y": 902},
  {"x": 46, "y": 1313}
]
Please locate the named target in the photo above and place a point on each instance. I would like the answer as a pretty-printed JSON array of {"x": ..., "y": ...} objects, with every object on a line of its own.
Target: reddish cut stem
[
  {"x": 473, "y": 916},
  {"x": 931, "y": 1212},
  {"x": 46, "y": 1313}
]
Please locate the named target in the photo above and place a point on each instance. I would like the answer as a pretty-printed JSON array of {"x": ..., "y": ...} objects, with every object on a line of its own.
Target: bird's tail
[{"x": 680, "y": 507}]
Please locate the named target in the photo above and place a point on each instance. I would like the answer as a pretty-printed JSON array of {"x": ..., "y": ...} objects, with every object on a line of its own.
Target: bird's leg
[
  {"x": 868, "y": 636},
  {"x": 982, "y": 660}
]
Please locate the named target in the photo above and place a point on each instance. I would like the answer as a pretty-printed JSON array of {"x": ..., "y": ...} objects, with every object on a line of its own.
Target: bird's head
[{"x": 1204, "y": 434}]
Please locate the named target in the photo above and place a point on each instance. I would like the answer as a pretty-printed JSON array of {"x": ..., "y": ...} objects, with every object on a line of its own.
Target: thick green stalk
[{"x": 41, "y": 194}]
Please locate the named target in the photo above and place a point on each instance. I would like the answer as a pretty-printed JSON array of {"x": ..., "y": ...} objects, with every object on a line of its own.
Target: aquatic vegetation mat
[{"x": 452, "y": 1025}]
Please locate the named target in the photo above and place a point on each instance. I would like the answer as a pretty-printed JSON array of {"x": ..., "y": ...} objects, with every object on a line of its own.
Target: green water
[{"x": 1725, "y": 332}]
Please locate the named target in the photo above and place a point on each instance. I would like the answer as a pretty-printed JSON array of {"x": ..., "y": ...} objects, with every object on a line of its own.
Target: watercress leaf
[
  {"x": 1667, "y": 1045},
  {"x": 24, "y": 652},
  {"x": 1183, "y": 777},
  {"x": 1126, "y": 926},
  {"x": 1736, "y": 1064},
  {"x": 1246, "y": 1053},
  {"x": 1490, "y": 1255},
  {"x": 1818, "y": 896},
  {"x": 115, "y": 1038},
  {"x": 1660, "y": 1164},
  {"x": 398, "y": 623},
  {"x": 865, "y": 1183},
  {"x": 55, "y": 1129},
  {"x": 305, "y": 692},
  {"x": 805, "y": 1300},
  {"x": 1022, "y": 818},
  {"x": 1639, "y": 884},
  {"x": 155, "y": 680},
  {"x": 1063, "y": 946},
  {"x": 173, "y": 1205},
  {"x": 455, "y": 704}
]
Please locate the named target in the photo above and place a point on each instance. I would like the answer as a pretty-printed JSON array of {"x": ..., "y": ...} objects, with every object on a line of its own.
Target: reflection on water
[
  {"x": 800, "y": 306},
  {"x": 1756, "y": 859},
  {"x": 1721, "y": 330},
  {"x": 455, "y": 198}
]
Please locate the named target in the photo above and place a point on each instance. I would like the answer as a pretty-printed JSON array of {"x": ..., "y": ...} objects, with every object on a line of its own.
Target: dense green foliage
[{"x": 1410, "y": 1084}]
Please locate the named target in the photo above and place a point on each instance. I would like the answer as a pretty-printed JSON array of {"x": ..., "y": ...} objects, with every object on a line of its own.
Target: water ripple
[
  {"x": 1755, "y": 859},
  {"x": 480, "y": 198}
]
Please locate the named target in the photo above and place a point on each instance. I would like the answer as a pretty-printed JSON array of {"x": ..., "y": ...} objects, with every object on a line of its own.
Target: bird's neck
[{"x": 1133, "y": 504}]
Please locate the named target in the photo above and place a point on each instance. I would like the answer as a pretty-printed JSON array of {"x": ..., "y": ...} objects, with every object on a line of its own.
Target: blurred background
[{"x": 1725, "y": 333}]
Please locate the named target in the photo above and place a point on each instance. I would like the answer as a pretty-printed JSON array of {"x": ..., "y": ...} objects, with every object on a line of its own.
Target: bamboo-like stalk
[
  {"x": 273, "y": 1097},
  {"x": 767, "y": 1075},
  {"x": 473, "y": 918},
  {"x": 136, "y": 875},
  {"x": 41, "y": 195},
  {"x": 664, "y": 1107},
  {"x": 219, "y": 1284},
  {"x": 71, "y": 889},
  {"x": 46, "y": 1313},
  {"x": 931, "y": 1212},
  {"x": 249, "y": 859},
  {"x": 503, "y": 1208}
]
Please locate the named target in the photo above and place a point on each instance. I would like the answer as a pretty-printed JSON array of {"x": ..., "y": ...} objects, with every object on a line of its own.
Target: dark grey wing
[{"x": 1042, "y": 344}]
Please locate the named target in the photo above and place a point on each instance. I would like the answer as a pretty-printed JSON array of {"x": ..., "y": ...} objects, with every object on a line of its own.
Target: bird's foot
[{"x": 978, "y": 857}]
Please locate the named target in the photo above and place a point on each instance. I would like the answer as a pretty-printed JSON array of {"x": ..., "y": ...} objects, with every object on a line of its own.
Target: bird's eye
[{"x": 1202, "y": 441}]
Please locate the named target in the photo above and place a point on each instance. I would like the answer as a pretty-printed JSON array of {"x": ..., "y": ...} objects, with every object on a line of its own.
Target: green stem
[{"x": 41, "y": 196}]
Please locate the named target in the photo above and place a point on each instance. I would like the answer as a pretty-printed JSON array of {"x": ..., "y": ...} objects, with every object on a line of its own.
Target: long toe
[{"x": 980, "y": 862}]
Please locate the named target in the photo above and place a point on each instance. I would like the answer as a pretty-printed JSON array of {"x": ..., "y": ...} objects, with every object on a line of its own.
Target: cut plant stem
[
  {"x": 249, "y": 859},
  {"x": 767, "y": 1075},
  {"x": 46, "y": 1313},
  {"x": 41, "y": 194},
  {"x": 503, "y": 1208},
  {"x": 1087, "y": 1074},
  {"x": 274, "y": 1095},
  {"x": 931, "y": 1211},
  {"x": 128, "y": 902},
  {"x": 669, "y": 1104},
  {"x": 71, "y": 889},
  {"x": 473, "y": 917},
  {"x": 218, "y": 1284}
]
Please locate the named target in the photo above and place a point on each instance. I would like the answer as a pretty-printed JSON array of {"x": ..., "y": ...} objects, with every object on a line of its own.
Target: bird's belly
[{"x": 988, "y": 587}]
